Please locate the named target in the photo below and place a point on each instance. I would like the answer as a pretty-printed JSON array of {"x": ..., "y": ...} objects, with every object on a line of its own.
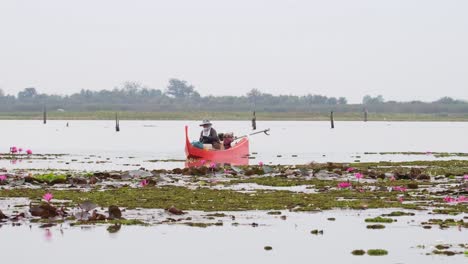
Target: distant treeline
[{"x": 181, "y": 96}]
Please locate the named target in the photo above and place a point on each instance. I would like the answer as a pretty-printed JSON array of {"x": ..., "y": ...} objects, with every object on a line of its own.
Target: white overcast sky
[{"x": 402, "y": 49}]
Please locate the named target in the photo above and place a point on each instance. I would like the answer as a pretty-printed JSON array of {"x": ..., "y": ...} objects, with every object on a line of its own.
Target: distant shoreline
[{"x": 266, "y": 116}]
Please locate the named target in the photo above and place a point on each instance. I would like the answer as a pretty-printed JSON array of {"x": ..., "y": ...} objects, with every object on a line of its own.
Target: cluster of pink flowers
[
  {"x": 343, "y": 185},
  {"x": 460, "y": 199},
  {"x": 15, "y": 150},
  {"x": 3, "y": 178},
  {"x": 399, "y": 189}
]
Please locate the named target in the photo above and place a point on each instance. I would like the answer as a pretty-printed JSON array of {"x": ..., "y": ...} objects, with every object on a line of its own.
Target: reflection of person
[{"x": 209, "y": 135}]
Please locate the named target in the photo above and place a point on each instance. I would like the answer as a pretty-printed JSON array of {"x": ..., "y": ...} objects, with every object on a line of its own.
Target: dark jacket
[{"x": 212, "y": 138}]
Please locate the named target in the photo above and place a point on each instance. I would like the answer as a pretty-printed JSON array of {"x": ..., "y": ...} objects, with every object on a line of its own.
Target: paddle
[{"x": 258, "y": 132}]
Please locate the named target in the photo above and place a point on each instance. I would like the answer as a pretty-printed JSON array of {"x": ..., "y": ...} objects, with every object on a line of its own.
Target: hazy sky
[{"x": 402, "y": 49}]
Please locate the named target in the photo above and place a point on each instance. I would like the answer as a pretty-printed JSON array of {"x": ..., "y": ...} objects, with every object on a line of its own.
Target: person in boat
[
  {"x": 228, "y": 138},
  {"x": 209, "y": 135}
]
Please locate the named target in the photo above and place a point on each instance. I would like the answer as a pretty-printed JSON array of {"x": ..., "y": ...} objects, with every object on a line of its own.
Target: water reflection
[{"x": 48, "y": 235}]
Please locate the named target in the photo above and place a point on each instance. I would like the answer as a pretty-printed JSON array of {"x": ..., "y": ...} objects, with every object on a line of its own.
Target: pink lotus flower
[
  {"x": 143, "y": 183},
  {"x": 20, "y": 150},
  {"x": 29, "y": 152},
  {"x": 260, "y": 164},
  {"x": 350, "y": 169},
  {"x": 358, "y": 175},
  {"x": 343, "y": 185},
  {"x": 400, "y": 199},
  {"x": 202, "y": 162},
  {"x": 462, "y": 199},
  {"x": 465, "y": 177},
  {"x": 212, "y": 165},
  {"x": 449, "y": 199},
  {"x": 3, "y": 177},
  {"x": 48, "y": 197},
  {"x": 399, "y": 189},
  {"x": 392, "y": 178},
  {"x": 13, "y": 150}
]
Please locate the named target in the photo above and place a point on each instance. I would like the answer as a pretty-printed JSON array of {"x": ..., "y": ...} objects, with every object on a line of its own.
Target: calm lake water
[
  {"x": 292, "y": 242},
  {"x": 86, "y": 142},
  {"x": 94, "y": 145}
]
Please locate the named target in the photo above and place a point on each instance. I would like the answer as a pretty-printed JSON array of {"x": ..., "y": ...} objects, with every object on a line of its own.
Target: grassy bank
[{"x": 108, "y": 115}]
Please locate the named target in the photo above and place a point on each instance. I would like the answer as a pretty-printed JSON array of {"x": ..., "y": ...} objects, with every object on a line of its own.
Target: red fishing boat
[{"x": 237, "y": 154}]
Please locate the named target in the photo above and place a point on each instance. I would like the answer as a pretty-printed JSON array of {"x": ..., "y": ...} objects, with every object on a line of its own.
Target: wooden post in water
[
  {"x": 117, "y": 124},
  {"x": 44, "y": 115},
  {"x": 254, "y": 122},
  {"x": 365, "y": 114},
  {"x": 331, "y": 120}
]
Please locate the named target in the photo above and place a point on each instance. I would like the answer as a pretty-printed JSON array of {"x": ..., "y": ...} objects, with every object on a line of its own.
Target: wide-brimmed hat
[{"x": 205, "y": 122}]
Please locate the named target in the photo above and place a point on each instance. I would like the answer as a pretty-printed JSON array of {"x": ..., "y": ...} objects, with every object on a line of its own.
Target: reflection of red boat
[{"x": 237, "y": 155}]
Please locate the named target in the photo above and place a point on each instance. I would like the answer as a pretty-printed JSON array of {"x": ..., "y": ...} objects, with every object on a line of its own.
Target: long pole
[
  {"x": 254, "y": 121},
  {"x": 44, "y": 117},
  {"x": 117, "y": 124},
  {"x": 258, "y": 132},
  {"x": 331, "y": 120}
]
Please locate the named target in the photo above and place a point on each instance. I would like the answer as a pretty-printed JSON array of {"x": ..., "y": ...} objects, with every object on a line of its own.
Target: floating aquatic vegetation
[
  {"x": 50, "y": 178},
  {"x": 358, "y": 252},
  {"x": 377, "y": 252},
  {"x": 379, "y": 219},
  {"x": 316, "y": 232},
  {"x": 398, "y": 213}
]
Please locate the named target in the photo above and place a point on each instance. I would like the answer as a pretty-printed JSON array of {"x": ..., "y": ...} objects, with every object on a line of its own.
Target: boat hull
[{"x": 236, "y": 155}]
